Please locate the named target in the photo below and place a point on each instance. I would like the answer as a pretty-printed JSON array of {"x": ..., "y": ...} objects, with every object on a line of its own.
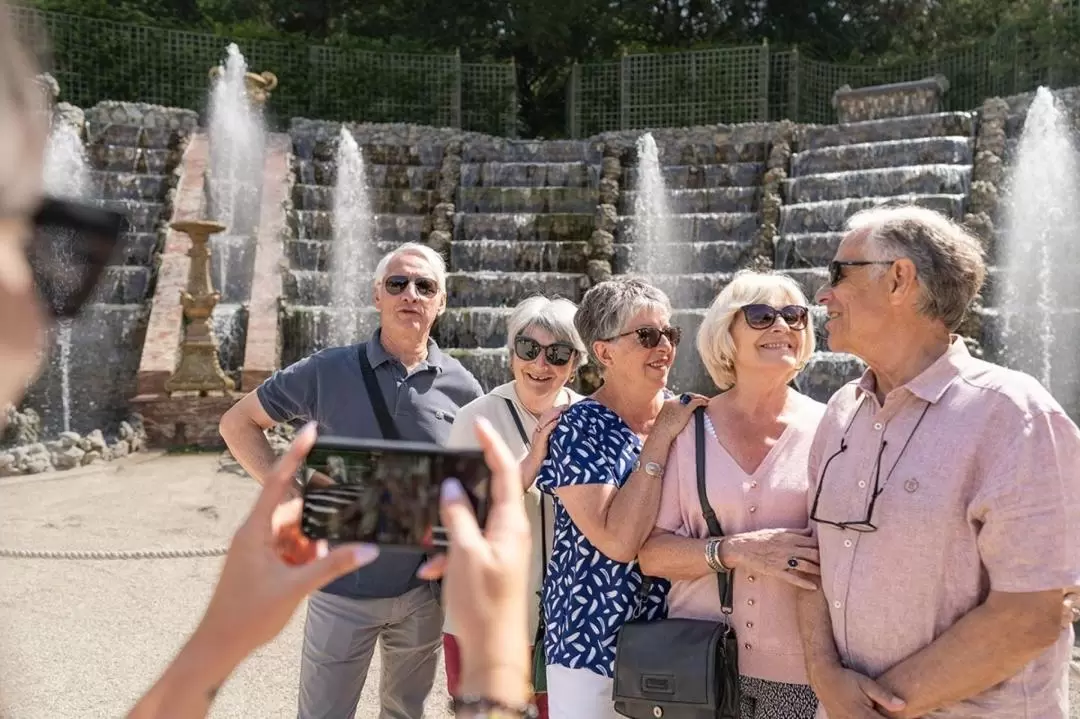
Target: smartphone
[{"x": 386, "y": 492}]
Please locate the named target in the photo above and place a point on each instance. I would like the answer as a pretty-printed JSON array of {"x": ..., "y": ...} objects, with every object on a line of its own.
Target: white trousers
[{"x": 579, "y": 694}]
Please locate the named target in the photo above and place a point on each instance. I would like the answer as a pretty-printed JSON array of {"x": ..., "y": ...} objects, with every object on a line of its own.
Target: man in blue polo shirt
[{"x": 422, "y": 389}]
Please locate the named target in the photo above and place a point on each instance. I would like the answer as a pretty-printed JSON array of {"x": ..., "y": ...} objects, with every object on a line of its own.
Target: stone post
[
  {"x": 763, "y": 254},
  {"x": 199, "y": 369},
  {"x": 442, "y": 215},
  {"x": 601, "y": 247}
]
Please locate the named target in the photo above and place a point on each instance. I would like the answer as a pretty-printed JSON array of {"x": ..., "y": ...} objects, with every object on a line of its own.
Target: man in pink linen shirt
[{"x": 945, "y": 494}]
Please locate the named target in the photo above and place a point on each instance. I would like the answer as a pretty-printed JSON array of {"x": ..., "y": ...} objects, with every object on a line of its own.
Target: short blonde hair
[
  {"x": 714, "y": 341},
  {"x": 554, "y": 316}
]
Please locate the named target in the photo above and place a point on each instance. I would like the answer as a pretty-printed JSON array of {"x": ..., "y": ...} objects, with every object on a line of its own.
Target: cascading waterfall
[
  {"x": 237, "y": 143},
  {"x": 652, "y": 225},
  {"x": 65, "y": 175},
  {"x": 353, "y": 254},
  {"x": 1042, "y": 212}
]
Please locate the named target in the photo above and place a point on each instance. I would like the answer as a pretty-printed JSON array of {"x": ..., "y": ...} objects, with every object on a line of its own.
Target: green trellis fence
[
  {"x": 757, "y": 84},
  {"x": 96, "y": 60}
]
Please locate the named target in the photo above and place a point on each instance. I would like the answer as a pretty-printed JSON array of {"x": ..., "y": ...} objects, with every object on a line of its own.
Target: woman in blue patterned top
[{"x": 604, "y": 467}]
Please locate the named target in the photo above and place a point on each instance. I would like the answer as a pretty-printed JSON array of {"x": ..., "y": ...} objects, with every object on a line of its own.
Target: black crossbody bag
[
  {"x": 681, "y": 668},
  {"x": 539, "y": 658}
]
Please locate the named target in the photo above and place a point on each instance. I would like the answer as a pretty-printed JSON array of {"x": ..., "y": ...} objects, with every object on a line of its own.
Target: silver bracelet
[{"x": 712, "y": 556}]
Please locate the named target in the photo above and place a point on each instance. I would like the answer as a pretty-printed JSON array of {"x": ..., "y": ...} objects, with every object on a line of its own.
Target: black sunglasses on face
[
  {"x": 425, "y": 286},
  {"x": 72, "y": 244},
  {"x": 649, "y": 337},
  {"x": 762, "y": 317},
  {"x": 836, "y": 268},
  {"x": 557, "y": 354}
]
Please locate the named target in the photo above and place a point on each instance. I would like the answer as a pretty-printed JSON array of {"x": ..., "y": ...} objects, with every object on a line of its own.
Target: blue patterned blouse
[{"x": 587, "y": 597}]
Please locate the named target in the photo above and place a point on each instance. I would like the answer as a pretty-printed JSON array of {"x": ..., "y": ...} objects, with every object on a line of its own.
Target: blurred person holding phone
[{"x": 259, "y": 588}]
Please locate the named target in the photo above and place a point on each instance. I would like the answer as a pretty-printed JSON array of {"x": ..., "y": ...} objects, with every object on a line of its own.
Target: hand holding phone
[{"x": 387, "y": 493}]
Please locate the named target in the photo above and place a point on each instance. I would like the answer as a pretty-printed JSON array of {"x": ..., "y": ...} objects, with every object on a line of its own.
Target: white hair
[
  {"x": 714, "y": 341},
  {"x": 433, "y": 258},
  {"x": 555, "y": 316}
]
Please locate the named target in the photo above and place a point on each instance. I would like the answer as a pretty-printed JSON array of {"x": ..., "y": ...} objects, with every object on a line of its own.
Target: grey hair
[
  {"x": 554, "y": 316},
  {"x": 949, "y": 260},
  {"x": 607, "y": 307},
  {"x": 433, "y": 258},
  {"x": 23, "y": 123}
]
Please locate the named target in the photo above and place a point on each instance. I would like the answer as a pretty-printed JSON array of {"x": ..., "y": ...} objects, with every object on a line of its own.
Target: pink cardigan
[{"x": 774, "y": 496}]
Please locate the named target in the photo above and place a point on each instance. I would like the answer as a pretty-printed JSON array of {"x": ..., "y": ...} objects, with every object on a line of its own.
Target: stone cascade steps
[
  {"x": 702, "y": 200},
  {"x": 132, "y": 152},
  {"x": 830, "y": 215},
  {"x": 526, "y": 200},
  {"x": 714, "y": 196},
  {"x": 384, "y": 201},
  {"x": 885, "y": 154},
  {"x": 913, "y": 127},
  {"x": 402, "y": 181},
  {"x": 839, "y": 170},
  {"x": 464, "y": 289},
  {"x": 880, "y": 182},
  {"x": 529, "y": 174}
]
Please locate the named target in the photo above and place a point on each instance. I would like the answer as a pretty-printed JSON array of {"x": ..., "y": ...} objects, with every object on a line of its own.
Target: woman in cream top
[
  {"x": 545, "y": 350},
  {"x": 754, "y": 339}
]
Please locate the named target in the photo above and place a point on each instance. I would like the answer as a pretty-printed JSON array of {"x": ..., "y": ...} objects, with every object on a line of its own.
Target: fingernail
[
  {"x": 309, "y": 429},
  {"x": 452, "y": 490},
  {"x": 364, "y": 553},
  {"x": 321, "y": 548},
  {"x": 484, "y": 422}
]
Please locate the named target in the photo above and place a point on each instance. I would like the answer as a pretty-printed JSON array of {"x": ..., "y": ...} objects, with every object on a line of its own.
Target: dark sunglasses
[
  {"x": 836, "y": 268},
  {"x": 425, "y": 286},
  {"x": 762, "y": 317},
  {"x": 73, "y": 243},
  {"x": 649, "y": 337},
  {"x": 557, "y": 354}
]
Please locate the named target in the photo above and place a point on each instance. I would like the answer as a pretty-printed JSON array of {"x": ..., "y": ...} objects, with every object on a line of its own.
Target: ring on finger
[{"x": 792, "y": 563}]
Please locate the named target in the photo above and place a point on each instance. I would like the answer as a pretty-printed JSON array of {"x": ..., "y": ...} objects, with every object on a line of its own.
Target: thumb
[
  {"x": 880, "y": 695},
  {"x": 337, "y": 563}
]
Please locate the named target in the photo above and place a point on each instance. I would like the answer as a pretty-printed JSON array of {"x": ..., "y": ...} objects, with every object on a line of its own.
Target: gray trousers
[{"x": 339, "y": 639}]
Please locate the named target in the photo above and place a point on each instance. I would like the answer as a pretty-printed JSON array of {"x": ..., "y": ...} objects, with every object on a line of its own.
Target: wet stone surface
[
  {"x": 890, "y": 153},
  {"x": 898, "y": 128},
  {"x": 882, "y": 182}
]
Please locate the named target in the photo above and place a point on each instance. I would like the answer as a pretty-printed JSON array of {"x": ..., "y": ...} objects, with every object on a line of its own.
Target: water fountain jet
[
  {"x": 652, "y": 222},
  {"x": 1041, "y": 325},
  {"x": 353, "y": 254}
]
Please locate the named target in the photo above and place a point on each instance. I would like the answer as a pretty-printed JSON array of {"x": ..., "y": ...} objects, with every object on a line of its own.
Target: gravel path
[{"x": 83, "y": 639}]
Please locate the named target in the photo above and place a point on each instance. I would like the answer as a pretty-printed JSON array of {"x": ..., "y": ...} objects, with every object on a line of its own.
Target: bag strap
[
  {"x": 375, "y": 396},
  {"x": 724, "y": 581},
  {"x": 517, "y": 421},
  {"x": 543, "y": 511}
]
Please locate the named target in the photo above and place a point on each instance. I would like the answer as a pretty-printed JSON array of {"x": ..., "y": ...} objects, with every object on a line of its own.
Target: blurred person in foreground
[
  {"x": 269, "y": 569},
  {"x": 945, "y": 494}
]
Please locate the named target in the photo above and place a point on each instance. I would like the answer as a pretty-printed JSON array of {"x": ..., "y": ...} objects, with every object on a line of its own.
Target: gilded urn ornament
[{"x": 257, "y": 85}]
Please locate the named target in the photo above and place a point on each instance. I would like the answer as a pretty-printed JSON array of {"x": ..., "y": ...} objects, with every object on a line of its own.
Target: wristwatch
[{"x": 651, "y": 468}]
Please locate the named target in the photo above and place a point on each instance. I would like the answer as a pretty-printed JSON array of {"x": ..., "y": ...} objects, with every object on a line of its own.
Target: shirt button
[
  {"x": 750, "y": 578},
  {"x": 753, "y": 485},
  {"x": 438, "y": 414},
  {"x": 862, "y": 484},
  {"x": 836, "y": 604},
  {"x": 749, "y": 625},
  {"x": 752, "y": 509},
  {"x": 878, "y": 426},
  {"x": 847, "y": 542},
  {"x": 746, "y": 646},
  {"x": 750, "y": 602}
]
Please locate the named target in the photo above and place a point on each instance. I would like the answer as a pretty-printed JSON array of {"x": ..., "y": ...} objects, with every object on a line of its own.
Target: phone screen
[{"x": 387, "y": 493}]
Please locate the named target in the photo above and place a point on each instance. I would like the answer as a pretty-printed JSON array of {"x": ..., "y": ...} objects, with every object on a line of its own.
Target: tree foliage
[{"x": 546, "y": 37}]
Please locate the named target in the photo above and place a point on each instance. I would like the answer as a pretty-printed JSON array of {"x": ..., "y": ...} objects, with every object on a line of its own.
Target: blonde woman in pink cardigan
[{"x": 754, "y": 339}]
